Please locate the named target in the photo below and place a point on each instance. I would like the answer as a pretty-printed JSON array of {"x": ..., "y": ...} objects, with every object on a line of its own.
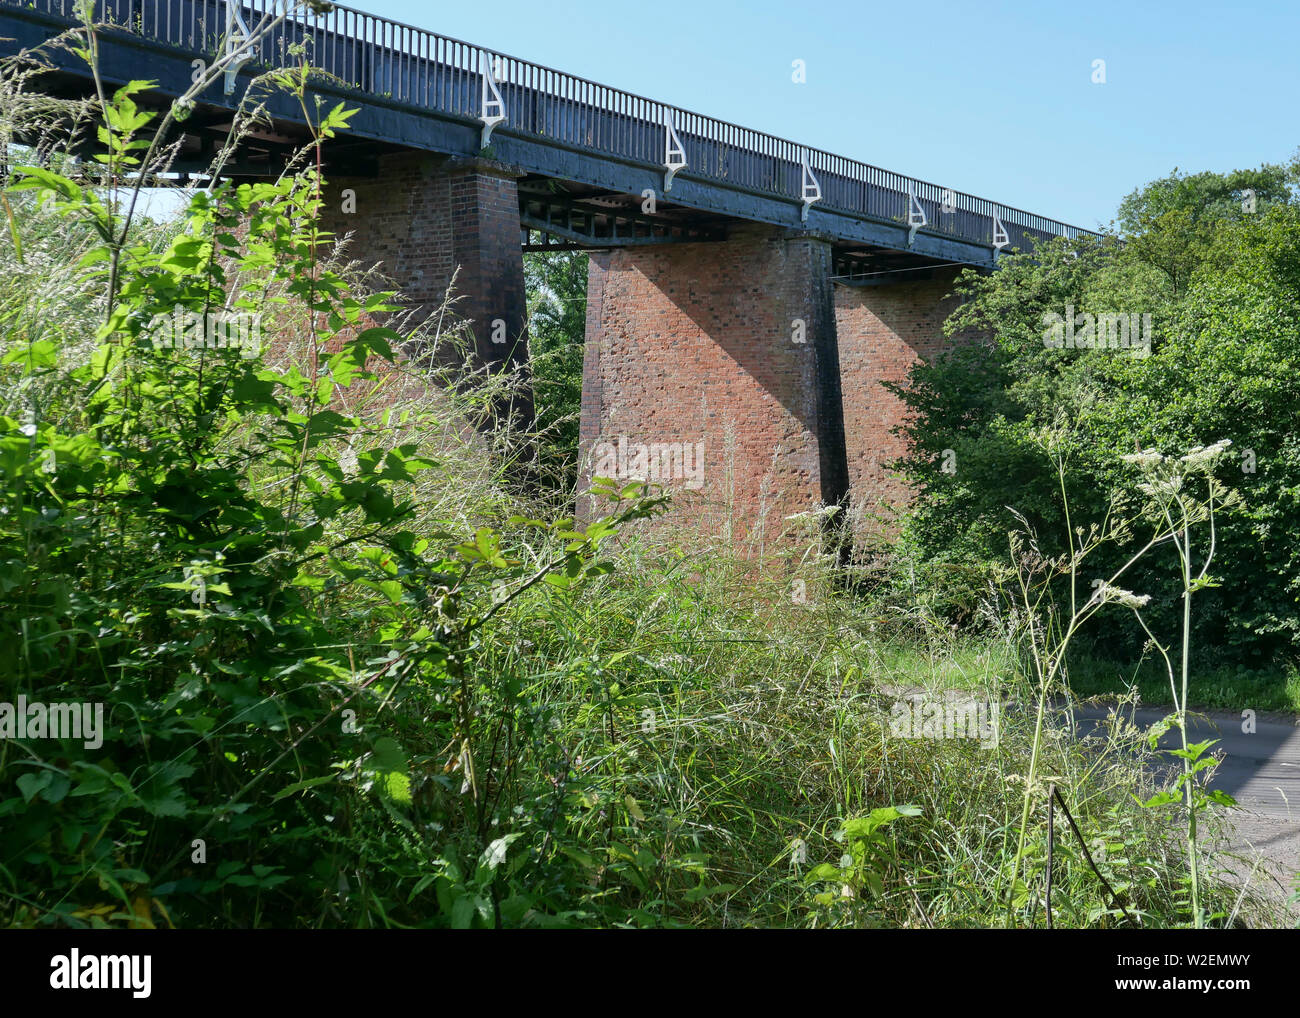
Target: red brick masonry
[
  {"x": 696, "y": 343},
  {"x": 742, "y": 352},
  {"x": 882, "y": 331}
]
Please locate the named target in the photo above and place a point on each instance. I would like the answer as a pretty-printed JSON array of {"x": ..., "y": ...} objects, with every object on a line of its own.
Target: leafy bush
[
  {"x": 200, "y": 542},
  {"x": 1223, "y": 288}
]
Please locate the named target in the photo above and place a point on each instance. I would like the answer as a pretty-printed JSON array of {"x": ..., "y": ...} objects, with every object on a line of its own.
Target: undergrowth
[{"x": 351, "y": 677}]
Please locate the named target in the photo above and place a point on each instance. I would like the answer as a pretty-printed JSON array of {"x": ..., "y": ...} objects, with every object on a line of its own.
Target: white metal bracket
[
  {"x": 812, "y": 190},
  {"x": 916, "y": 217},
  {"x": 1000, "y": 236},
  {"x": 238, "y": 50},
  {"x": 674, "y": 153},
  {"x": 492, "y": 107}
]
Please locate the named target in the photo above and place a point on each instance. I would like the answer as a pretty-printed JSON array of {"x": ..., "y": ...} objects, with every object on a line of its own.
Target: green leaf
[
  {"x": 32, "y": 784},
  {"x": 462, "y": 913},
  {"x": 397, "y": 786},
  {"x": 299, "y": 786},
  {"x": 377, "y": 340}
]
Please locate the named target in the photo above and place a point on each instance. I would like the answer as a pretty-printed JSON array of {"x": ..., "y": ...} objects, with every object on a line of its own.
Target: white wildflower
[
  {"x": 1109, "y": 594},
  {"x": 1205, "y": 455},
  {"x": 1144, "y": 460},
  {"x": 820, "y": 513}
]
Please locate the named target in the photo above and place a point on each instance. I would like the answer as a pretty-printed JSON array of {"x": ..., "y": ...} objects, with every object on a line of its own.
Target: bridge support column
[
  {"x": 711, "y": 368},
  {"x": 424, "y": 219},
  {"x": 882, "y": 331}
]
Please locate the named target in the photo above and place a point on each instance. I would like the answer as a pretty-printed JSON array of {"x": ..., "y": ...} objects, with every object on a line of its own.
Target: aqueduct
[{"x": 747, "y": 296}]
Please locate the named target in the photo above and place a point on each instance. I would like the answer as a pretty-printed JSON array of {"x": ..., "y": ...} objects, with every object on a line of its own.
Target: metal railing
[{"x": 386, "y": 58}]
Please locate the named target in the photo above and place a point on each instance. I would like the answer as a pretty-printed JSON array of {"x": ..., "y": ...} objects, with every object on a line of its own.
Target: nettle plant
[
  {"x": 868, "y": 859},
  {"x": 180, "y": 541}
]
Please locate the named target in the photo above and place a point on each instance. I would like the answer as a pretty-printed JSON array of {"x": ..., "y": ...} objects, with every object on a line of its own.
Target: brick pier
[
  {"x": 735, "y": 372},
  {"x": 423, "y": 219}
]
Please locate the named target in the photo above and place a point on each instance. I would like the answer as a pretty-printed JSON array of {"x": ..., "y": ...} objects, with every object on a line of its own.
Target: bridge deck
[{"x": 556, "y": 124}]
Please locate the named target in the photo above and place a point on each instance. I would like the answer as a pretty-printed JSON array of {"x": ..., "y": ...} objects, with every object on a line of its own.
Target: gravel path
[{"x": 1261, "y": 770}]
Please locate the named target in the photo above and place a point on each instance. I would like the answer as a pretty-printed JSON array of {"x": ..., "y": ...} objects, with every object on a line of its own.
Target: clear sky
[{"x": 989, "y": 97}]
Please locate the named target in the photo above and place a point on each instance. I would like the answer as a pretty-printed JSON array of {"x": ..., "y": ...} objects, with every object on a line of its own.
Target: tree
[
  {"x": 1223, "y": 290},
  {"x": 556, "y": 286}
]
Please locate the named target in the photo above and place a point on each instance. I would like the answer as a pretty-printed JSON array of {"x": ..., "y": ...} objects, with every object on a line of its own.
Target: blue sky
[{"x": 993, "y": 98}]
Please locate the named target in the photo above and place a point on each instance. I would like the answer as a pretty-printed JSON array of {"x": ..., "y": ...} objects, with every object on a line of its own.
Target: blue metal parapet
[{"x": 394, "y": 63}]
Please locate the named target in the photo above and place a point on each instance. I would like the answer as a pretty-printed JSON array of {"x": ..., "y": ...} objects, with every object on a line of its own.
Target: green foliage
[
  {"x": 1223, "y": 288},
  {"x": 348, "y": 681},
  {"x": 556, "y": 284},
  {"x": 183, "y": 543},
  {"x": 1208, "y": 196},
  {"x": 867, "y": 858}
]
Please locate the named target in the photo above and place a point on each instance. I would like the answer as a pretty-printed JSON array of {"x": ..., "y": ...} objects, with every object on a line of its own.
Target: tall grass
[
  {"x": 748, "y": 729},
  {"x": 672, "y": 738}
]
